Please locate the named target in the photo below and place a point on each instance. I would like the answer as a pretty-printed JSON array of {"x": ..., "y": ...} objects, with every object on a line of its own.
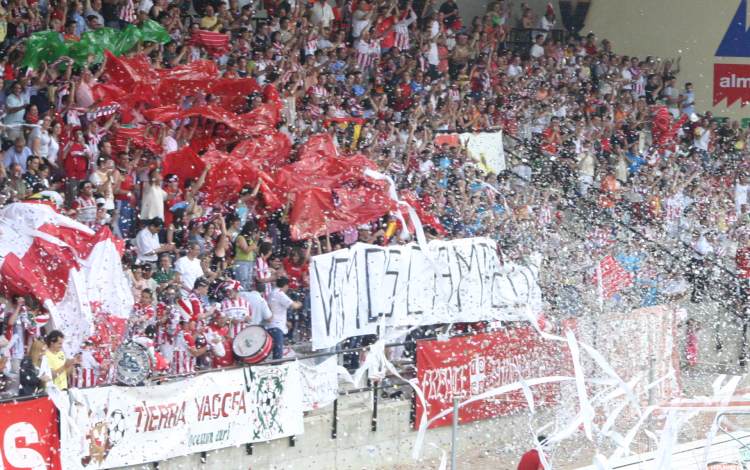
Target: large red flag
[{"x": 184, "y": 163}]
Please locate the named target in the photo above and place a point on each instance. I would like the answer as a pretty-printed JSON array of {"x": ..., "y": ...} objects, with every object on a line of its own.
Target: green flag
[{"x": 49, "y": 46}]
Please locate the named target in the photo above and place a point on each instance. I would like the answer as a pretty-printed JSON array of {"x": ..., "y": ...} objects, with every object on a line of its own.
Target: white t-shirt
[
  {"x": 152, "y": 202},
  {"x": 13, "y": 101},
  {"x": 146, "y": 242},
  {"x": 278, "y": 302},
  {"x": 258, "y": 306},
  {"x": 514, "y": 70},
  {"x": 321, "y": 14},
  {"x": 740, "y": 195},
  {"x": 537, "y": 51},
  {"x": 190, "y": 270},
  {"x": 360, "y": 22}
]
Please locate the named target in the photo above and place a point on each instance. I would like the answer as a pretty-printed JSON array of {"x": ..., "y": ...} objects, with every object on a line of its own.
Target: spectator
[
  {"x": 55, "y": 361},
  {"x": 245, "y": 246},
  {"x": 19, "y": 153},
  {"x": 15, "y": 108},
  {"x": 165, "y": 273},
  {"x": 147, "y": 245},
  {"x": 263, "y": 274},
  {"x": 279, "y": 303},
  {"x": 189, "y": 267},
  {"x": 84, "y": 207},
  {"x": 33, "y": 378}
]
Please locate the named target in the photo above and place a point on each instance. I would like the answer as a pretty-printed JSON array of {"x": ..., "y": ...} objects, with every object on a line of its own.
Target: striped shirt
[
  {"x": 85, "y": 210},
  {"x": 238, "y": 312},
  {"x": 367, "y": 53},
  {"x": 127, "y": 12},
  {"x": 311, "y": 45},
  {"x": 402, "y": 30},
  {"x": 319, "y": 91},
  {"x": 182, "y": 361},
  {"x": 86, "y": 374},
  {"x": 263, "y": 271}
]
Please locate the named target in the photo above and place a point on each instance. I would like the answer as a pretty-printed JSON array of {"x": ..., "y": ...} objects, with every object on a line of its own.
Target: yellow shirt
[
  {"x": 209, "y": 23},
  {"x": 55, "y": 361}
]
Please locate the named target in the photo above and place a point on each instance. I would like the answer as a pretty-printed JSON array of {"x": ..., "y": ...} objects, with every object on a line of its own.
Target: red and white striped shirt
[
  {"x": 311, "y": 45},
  {"x": 85, "y": 210},
  {"x": 182, "y": 361},
  {"x": 87, "y": 373},
  {"x": 190, "y": 308},
  {"x": 319, "y": 91},
  {"x": 402, "y": 30},
  {"x": 143, "y": 315},
  {"x": 238, "y": 312},
  {"x": 545, "y": 215},
  {"x": 263, "y": 271},
  {"x": 127, "y": 13},
  {"x": 367, "y": 53}
]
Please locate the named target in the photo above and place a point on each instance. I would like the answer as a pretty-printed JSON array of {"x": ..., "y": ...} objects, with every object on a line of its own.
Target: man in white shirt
[
  {"x": 189, "y": 267},
  {"x": 321, "y": 14},
  {"x": 258, "y": 306},
  {"x": 279, "y": 302},
  {"x": 537, "y": 50},
  {"x": 147, "y": 246},
  {"x": 15, "y": 109}
]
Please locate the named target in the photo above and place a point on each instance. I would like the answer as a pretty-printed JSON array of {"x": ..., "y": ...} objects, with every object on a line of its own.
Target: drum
[
  {"x": 132, "y": 364},
  {"x": 252, "y": 345}
]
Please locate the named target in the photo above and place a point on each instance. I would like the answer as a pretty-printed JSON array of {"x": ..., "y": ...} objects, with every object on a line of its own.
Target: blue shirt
[
  {"x": 358, "y": 90},
  {"x": 80, "y": 23},
  {"x": 636, "y": 162}
]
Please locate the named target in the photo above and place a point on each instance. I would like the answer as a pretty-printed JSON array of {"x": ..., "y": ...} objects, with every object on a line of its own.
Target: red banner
[
  {"x": 731, "y": 81},
  {"x": 29, "y": 435},
  {"x": 470, "y": 365}
]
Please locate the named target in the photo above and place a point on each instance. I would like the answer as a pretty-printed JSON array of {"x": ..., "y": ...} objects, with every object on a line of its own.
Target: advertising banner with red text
[
  {"x": 470, "y": 365},
  {"x": 114, "y": 426},
  {"x": 29, "y": 436},
  {"x": 732, "y": 81}
]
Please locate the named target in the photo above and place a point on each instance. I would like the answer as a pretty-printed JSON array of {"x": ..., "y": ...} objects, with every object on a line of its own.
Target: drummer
[
  {"x": 220, "y": 327},
  {"x": 235, "y": 308}
]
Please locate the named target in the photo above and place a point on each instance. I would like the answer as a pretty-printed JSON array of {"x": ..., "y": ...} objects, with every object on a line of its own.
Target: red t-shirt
[
  {"x": 227, "y": 360},
  {"x": 295, "y": 274},
  {"x": 549, "y": 145},
  {"x": 76, "y": 163},
  {"x": 530, "y": 461},
  {"x": 742, "y": 260},
  {"x": 389, "y": 37}
]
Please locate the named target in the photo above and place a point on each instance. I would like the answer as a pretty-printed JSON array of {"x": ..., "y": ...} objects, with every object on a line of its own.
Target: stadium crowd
[{"x": 585, "y": 129}]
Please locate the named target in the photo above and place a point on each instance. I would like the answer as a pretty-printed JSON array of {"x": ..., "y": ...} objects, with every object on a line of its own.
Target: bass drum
[
  {"x": 132, "y": 364},
  {"x": 252, "y": 345}
]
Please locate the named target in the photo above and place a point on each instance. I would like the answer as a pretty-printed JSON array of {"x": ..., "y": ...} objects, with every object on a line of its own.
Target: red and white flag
[
  {"x": 216, "y": 44},
  {"x": 65, "y": 265}
]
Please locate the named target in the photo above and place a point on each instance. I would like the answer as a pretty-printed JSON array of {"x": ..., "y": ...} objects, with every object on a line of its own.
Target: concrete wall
[
  {"x": 471, "y": 8},
  {"x": 491, "y": 444},
  {"x": 690, "y": 29}
]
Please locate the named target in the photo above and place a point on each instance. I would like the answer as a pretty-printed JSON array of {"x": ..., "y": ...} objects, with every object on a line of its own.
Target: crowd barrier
[{"x": 115, "y": 426}]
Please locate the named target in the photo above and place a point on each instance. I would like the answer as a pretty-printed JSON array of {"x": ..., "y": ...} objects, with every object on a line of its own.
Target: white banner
[
  {"x": 486, "y": 148},
  {"x": 354, "y": 291},
  {"x": 118, "y": 426},
  {"x": 320, "y": 383}
]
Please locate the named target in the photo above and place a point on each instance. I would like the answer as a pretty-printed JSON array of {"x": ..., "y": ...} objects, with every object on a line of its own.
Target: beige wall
[{"x": 691, "y": 29}]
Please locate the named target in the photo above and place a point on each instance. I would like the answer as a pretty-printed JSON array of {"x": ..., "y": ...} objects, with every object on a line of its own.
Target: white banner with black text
[
  {"x": 118, "y": 426},
  {"x": 356, "y": 290}
]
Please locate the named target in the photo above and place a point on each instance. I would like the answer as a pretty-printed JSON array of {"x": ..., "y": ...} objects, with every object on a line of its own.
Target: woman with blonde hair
[{"x": 33, "y": 379}]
